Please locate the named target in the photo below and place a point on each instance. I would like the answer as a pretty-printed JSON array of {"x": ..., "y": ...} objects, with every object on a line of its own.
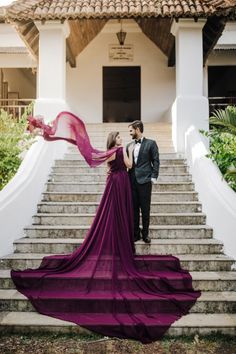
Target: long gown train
[{"x": 103, "y": 285}]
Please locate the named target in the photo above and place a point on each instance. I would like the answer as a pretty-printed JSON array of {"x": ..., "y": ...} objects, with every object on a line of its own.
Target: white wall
[
  {"x": 19, "y": 81},
  {"x": 14, "y": 65},
  {"x": 218, "y": 58},
  {"x": 9, "y": 36},
  {"x": 222, "y": 57},
  {"x": 228, "y": 37},
  {"x": 84, "y": 83},
  {"x": 217, "y": 198}
]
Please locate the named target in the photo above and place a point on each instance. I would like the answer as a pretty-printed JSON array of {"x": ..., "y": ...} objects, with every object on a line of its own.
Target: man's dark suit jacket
[{"x": 148, "y": 162}]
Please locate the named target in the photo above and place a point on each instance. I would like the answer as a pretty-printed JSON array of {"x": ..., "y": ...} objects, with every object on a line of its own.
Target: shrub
[
  {"x": 14, "y": 140},
  {"x": 222, "y": 137}
]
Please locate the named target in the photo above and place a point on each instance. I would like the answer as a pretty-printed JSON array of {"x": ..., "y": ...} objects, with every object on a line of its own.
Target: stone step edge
[
  {"x": 97, "y": 203},
  {"x": 167, "y": 242},
  {"x": 78, "y": 157},
  {"x": 173, "y": 154},
  {"x": 103, "y": 183},
  {"x": 104, "y": 167},
  {"x": 100, "y": 193},
  {"x": 196, "y": 275},
  {"x": 103, "y": 174},
  {"x": 82, "y": 163},
  {"x": 33, "y": 320},
  {"x": 199, "y": 214},
  {"x": 212, "y": 296},
  {"x": 181, "y": 257},
  {"x": 152, "y": 227}
]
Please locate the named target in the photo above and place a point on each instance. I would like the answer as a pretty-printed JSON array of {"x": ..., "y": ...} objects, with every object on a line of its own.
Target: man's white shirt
[{"x": 136, "y": 150}]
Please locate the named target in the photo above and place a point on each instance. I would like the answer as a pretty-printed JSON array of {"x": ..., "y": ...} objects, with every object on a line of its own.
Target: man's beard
[{"x": 134, "y": 136}]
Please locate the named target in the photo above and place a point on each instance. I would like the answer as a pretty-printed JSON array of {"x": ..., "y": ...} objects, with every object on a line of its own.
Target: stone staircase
[{"x": 178, "y": 227}]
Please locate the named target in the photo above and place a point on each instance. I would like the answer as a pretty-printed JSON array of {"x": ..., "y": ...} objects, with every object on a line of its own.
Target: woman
[{"x": 103, "y": 286}]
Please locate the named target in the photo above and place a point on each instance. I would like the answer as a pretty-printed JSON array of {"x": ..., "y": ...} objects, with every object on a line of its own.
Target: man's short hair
[{"x": 137, "y": 124}]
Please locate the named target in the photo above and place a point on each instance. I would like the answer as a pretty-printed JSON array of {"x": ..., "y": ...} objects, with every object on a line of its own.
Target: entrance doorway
[
  {"x": 221, "y": 86},
  {"x": 121, "y": 93}
]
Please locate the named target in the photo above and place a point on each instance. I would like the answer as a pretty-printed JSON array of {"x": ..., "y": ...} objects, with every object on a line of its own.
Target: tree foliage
[
  {"x": 222, "y": 137},
  {"x": 14, "y": 141}
]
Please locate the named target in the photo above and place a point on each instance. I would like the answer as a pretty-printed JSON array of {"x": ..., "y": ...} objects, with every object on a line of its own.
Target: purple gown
[{"x": 103, "y": 286}]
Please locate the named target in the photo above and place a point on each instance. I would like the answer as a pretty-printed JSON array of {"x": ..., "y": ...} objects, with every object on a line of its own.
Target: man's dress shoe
[{"x": 147, "y": 239}]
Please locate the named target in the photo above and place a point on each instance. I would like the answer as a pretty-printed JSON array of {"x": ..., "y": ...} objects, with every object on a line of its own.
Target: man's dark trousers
[
  {"x": 141, "y": 194},
  {"x": 141, "y": 173}
]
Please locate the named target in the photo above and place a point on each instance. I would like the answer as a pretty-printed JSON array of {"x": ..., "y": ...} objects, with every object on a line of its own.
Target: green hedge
[
  {"x": 222, "y": 137},
  {"x": 14, "y": 140}
]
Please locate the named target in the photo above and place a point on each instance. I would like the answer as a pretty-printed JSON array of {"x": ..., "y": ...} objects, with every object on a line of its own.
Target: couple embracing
[{"x": 143, "y": 172}]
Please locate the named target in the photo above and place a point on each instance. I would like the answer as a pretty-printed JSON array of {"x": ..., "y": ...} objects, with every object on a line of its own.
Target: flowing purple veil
[{"x": 67, "y": 126}]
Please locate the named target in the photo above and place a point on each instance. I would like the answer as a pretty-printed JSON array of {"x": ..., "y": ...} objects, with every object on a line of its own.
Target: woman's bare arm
[
  {"x": 108, "y": 165},
  {"x": 128, "y": 159}
]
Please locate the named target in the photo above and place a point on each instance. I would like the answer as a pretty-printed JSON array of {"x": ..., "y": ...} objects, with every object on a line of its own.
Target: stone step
[
  {"x": 164, "y": 246},
  {"x": 74, "y": 151},
  {"x": 150, "y": 133},
  {"x": 76, "y": 155},
  {"x": 91, "y": 207},
  {"x": 155, "y": 134},
  {"x": 100, "y": 140},
  {"x": 191, "y": 324},
  {"x": 99, "y": 187},
  {"x": 68, "y": 169},
  {"x": 204, "y": 281},
  {"x": 175, "y": 196},
  {"x": 191, "y": 262},
  {"x": 123, "y": 126},
  {"x": 78, "y": 162},
  {"x": 159, "y": 137},
  {"x": 155, "y": 231},
  {"x": 95, "y": 177},
  {"x": 87, "y": 219},
  {"x": 106, "y": 128},
  {"x": 163, "y": 147},
  {"x": 209, "y": 302}
]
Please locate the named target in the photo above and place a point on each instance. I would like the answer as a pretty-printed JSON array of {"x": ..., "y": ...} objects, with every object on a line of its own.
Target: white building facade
[
  {"x": 165, "y": 68},
  {"x": 176, "y": 59}
]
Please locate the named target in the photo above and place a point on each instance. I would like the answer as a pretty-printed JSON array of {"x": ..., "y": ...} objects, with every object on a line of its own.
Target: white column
[
  {"x": 190, "y": 106},
  {"x": 51, "y": 95}
]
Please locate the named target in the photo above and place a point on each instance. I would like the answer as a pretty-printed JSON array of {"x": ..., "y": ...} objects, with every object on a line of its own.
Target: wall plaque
[{"x": 121, "y": 52}]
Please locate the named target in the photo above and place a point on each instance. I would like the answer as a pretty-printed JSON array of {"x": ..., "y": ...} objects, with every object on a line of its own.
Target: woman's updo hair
[{"x": 111, "y": 140}]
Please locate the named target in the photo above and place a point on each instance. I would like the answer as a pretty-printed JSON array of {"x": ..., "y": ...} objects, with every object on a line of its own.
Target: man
[{"x": 143, "y": 174}]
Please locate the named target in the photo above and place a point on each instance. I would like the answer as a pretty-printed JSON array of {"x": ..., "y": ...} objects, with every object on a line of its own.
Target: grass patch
[{"x": 71, "y": 343}]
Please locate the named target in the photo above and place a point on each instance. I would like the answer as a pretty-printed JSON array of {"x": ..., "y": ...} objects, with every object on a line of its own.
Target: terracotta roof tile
[{"x": 59, "y": 9}]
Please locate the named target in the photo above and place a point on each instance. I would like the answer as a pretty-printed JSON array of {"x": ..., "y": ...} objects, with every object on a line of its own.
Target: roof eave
[{"x": 67, "y": 16}]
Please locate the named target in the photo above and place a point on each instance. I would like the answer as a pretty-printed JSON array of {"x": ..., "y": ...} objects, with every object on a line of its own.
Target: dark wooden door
[{"x": 121, "y": 93}]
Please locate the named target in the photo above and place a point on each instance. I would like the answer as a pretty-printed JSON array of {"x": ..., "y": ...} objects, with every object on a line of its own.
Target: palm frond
[{"x": 225, "y": 119}]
